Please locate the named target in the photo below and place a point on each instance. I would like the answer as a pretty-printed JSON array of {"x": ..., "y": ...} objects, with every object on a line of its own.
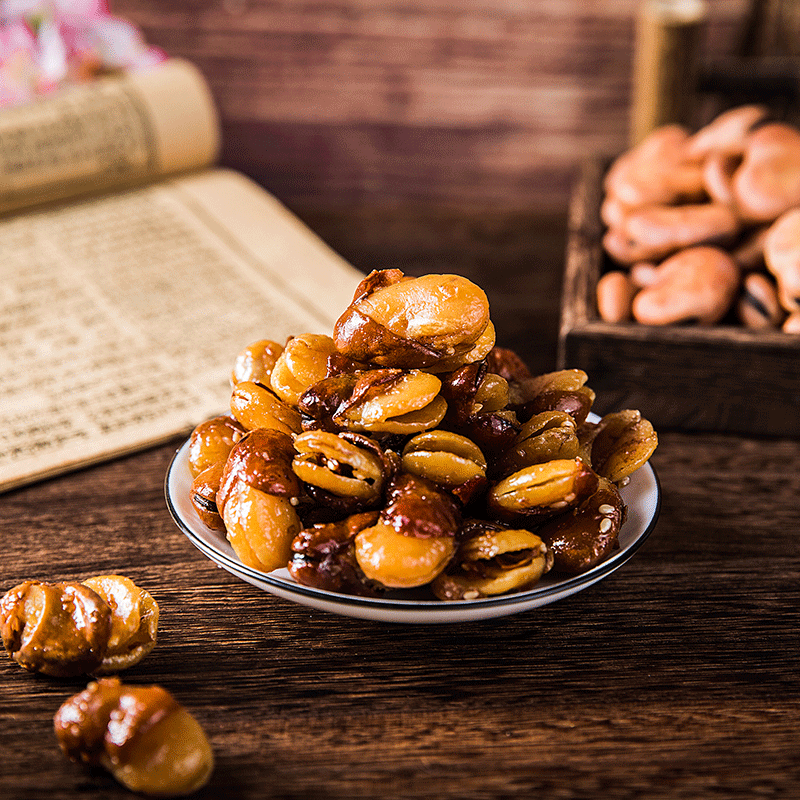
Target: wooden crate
[{"x": 721, "y": 378}]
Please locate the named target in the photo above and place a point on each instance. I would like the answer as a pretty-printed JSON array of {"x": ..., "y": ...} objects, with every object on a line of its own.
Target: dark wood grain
[
  {"x": 675, "y": 677},
  {"x": 450, "y": 103}
]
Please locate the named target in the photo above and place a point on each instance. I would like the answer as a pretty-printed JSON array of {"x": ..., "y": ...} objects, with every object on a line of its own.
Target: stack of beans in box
[{"x": 706, "y": 225}]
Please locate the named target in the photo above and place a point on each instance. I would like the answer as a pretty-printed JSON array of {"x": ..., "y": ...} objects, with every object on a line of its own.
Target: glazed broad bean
[
  {"x": 101, "y": 625},
  {"x": 256, "y": 362},
  {"x": 493, "y": 560},
  {"x": 398, "y": 321},
  {"x": 147, "y": 740},
  {"x": 303, "y": 362}
]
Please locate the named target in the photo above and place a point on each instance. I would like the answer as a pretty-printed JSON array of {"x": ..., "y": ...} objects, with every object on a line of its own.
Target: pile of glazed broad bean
[
  {"x": 701, "y": 226},
  {"x": 407, "y": 451}
]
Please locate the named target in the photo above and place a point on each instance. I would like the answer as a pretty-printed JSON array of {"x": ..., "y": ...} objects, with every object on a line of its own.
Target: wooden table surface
[{"x": 674, "y": 677}]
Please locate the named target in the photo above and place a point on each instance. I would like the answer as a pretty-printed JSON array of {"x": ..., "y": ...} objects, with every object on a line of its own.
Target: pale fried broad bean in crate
[
  {"x": 408, "y": 452},
  {"x": 746, "y": 204}
]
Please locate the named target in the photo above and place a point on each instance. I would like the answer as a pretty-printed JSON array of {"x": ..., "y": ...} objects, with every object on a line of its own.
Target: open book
[{"x": 132, "y": 272}]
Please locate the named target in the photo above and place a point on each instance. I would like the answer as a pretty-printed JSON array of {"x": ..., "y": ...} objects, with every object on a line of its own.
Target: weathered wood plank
[{"x": 477, "y": 102}]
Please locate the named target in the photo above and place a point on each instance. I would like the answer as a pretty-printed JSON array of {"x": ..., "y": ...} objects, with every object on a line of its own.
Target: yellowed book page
[
  {"x": 115, "y": 132},
  {"x": 121, "y": 316}
]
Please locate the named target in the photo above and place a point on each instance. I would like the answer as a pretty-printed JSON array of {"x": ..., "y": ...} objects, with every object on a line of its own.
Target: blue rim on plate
[{"x": 642, "y": 496}]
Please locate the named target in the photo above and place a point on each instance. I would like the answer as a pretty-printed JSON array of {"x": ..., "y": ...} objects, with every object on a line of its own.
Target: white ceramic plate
[{"x": 642, "y": 496}]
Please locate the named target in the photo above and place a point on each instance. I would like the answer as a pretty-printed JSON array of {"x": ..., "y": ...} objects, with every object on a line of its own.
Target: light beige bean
[
  {"x": 718, "y": 172},
  {"x": 768, "y": 181},
  {"x": 792, "y": 323},
  {"x": 615, "y": 292},
  {"x": 782, "y": 256},
  {"x": 613, "y": 211},
  {"x": 658, "y": 231},
  {"x": 696, "y": 284},
  {"x": 758, "y": 307},
  {"x": 656, "y": 171},
  {"x": 726, "y": 133},
  {"x": 643, "y": 273}
]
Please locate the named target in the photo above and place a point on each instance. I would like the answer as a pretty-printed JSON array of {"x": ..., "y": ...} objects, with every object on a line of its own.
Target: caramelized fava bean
[
  {"x": 102, "y": 625},
  {"x": 417, "y": 507},
  {"x": 211, "y": 442},
  {"x": 204, "y": 496},
  {"x": 376, "y": 401},
  {"x": 256, "y": 406},
  {"x": 448, "y": 459},
  {"x": 547, "y": 436},
  {"x": 620, "y": 443},
  {"x": 134, "y": 621},
  {"x": 324, "y": 556},
  {"x": 398, "y": 561},
  {"x": 257, "y": 499},
  {"x": 256, "y": 362},
  {"x": 346, "y": 465},
  {"x": 586, "y": 535},
  {"x": 542, "y": 490},
  {"x": 147, "y": 740},
  {"x": 59, "y": 629},
  {"x": 399, "y": 321},
  {"x": 507, "y": 364},
  {"x": 492, "y": 561},
  {"x": 473, "y": 397},
  {"x": 563, "y": 390},
  {"x": 304, "y": 361},
  {"x": 394, "y": 401}
]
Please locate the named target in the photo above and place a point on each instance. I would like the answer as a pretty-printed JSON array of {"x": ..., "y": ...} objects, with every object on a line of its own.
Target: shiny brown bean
[
  {"x": 255, "y": 362},
  {"x": 147, "y": 740}
]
